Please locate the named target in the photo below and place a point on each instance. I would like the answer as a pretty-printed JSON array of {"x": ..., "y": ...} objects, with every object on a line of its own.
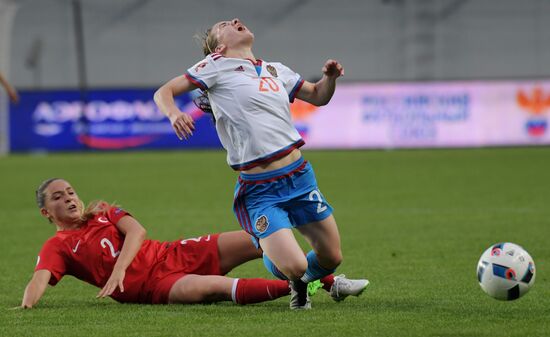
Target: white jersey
[{"x": 250, "y": 103}]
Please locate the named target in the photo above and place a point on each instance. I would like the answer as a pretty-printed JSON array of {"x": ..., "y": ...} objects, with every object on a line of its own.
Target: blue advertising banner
[{"x": 57, "y": 120}]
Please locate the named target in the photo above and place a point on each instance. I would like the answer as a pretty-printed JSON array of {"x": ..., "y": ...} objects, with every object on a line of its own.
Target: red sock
[
  {"x": 327, "y": 282},
  {"x": 254, "y": 290}
]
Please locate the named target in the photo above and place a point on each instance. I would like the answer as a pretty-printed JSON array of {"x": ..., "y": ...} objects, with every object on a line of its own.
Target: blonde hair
[
  {"x": 209, "y": 41},
  {"x": 96, "y": 207}
]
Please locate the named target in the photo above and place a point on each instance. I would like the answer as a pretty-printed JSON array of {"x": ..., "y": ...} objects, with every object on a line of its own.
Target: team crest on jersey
[
  {"x": 271, "y": 69},
  {"x": 103, "y": 219},
  {"x": 262, "y": 223}
]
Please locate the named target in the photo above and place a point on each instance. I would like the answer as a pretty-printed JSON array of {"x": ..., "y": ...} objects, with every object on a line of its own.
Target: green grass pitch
[{"x": 413, "y": 222}]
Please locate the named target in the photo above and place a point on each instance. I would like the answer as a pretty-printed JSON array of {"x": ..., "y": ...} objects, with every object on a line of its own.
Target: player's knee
[
  {"x": 181, "y": 293},
  {"x": 295, "y": 269},
  {"x": 197, "y": 290}
]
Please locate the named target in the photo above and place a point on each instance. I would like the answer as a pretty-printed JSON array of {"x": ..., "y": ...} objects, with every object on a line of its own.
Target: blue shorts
[{"x": 283, "y": 198}]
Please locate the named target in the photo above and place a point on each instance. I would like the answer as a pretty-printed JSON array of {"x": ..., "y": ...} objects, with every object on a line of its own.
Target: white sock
[{"x": 234, "y": 290}]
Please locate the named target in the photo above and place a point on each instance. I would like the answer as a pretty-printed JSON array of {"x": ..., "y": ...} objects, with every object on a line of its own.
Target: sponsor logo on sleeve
[{"x": 200, "y": 66}]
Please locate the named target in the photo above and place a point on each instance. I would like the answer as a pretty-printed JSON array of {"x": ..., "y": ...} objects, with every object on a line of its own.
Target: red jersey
[{"x": 90, "y": 253}]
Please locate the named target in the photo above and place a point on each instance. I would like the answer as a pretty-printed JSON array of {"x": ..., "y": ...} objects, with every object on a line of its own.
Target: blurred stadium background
[
  {"x": 419, "y": 73},
  {"x": 465, "y": 83}
]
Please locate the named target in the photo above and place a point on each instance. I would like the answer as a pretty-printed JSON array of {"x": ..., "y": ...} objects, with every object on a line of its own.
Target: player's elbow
[
  {"x": 319, "y": 101},
  {"x": 320, "y": 97},
  {"x": 157, "y": 96},
  {"x": 139, "y": 232},
  {"x": 322, "y": 102},
  {"x": 314, "y": 99},
  {"x": 164, "y": 91},
  {"x": 142, "y": 233}
]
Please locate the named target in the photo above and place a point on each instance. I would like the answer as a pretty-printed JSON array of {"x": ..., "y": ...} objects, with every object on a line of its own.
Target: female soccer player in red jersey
[
  {"x": 106, "y": 247},
  {"x": 276, "y": 190}
]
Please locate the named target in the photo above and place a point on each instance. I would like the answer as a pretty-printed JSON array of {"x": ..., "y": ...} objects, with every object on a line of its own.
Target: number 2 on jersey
[
  {"x": 315, "y": 195},
  {"x": 206, "y": 238},
  {"x": 105, "y": 242},
  {"x": 268, "y": 84}
]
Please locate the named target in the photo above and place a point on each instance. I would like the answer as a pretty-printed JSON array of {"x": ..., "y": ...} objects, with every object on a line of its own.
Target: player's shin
[{"x": 255, "y": 290}]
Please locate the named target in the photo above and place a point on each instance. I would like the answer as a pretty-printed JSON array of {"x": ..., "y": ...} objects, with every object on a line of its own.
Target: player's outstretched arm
[
  {"x": 134, "y": 234},
  {"x": 164, "y": 98},
  {"x": 321, "y": 92},
  {"x": 12, "y": 93},
  {"x": 36, "y": 288}
]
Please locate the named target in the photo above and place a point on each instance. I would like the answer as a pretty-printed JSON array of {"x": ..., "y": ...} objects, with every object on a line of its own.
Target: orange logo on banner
[
  {"x": 536, "y": 102},
  {"x": 301, "y": 110}
]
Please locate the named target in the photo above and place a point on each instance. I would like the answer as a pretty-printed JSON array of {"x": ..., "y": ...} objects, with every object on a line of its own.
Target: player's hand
[
  {"x": 183, "y": 125},
  {"x": 19, "y": 307},
  {"x": 115, "y": 281},
  {"x": 333, "y": 69}
]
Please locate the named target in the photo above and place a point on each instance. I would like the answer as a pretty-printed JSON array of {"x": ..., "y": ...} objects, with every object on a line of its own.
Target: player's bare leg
[
  {"x": 284, "y": 252},
  {"x": 200, "y": 289},
  {"x": 324, "y": 238},
  {"x": 236, "y": 248}
]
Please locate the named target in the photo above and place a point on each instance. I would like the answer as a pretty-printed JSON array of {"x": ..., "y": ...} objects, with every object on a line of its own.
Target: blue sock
[
  {"x": 314, "y": 270},
  {"x": 273, "y": 269}
]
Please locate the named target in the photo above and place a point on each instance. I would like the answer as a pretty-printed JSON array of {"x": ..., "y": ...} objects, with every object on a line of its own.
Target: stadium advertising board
[
  {"x": 381, "y": 115},
  {"x": 109, "y": 120},
  {"x": 444, "y": 114}
]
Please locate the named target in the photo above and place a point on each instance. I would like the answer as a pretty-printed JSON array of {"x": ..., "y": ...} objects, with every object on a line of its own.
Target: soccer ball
[{"x": 506, "y": 271}]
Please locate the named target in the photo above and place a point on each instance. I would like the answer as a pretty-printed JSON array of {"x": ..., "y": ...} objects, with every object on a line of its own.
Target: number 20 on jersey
[{"x": 268, "y": 84}]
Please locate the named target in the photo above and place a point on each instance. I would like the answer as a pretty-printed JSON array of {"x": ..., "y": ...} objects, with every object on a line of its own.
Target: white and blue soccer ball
[{"x": 506, "y": 271}]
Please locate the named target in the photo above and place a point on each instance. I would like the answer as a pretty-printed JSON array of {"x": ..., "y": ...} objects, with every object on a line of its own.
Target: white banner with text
[{"x": 434, "y": 114}]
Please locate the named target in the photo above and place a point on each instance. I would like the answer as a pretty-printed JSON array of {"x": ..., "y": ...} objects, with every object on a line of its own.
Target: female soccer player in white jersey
[{"x": 276, "y": 189}]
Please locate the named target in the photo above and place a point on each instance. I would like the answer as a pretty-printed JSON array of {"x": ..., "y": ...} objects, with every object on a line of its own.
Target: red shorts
[{"x": 192, "y": 256}]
